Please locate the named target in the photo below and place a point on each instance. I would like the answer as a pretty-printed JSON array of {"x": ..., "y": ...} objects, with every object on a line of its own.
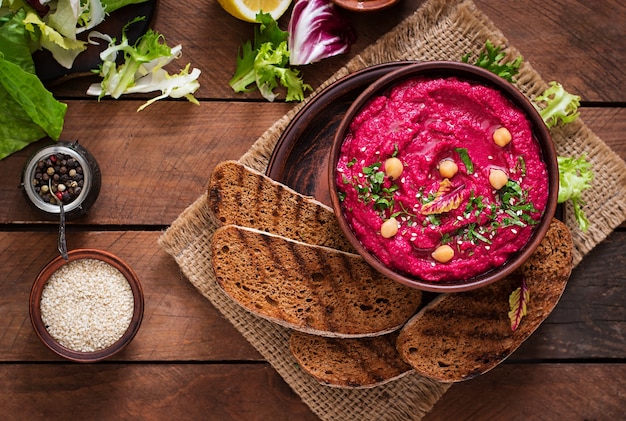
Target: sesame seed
[{"x": 87, "y": 305}]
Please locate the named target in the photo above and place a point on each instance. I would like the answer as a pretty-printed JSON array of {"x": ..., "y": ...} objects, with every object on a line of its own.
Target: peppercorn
[{"x": 59, "y": 175}]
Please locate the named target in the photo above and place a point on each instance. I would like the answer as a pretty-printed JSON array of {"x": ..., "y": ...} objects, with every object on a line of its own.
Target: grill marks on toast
[
  {"x": 349, "y": 363},
  {"x": 308, "y": 288},
  {"x": 462, "y": 335},
  {"x": 238, "y": 195}
]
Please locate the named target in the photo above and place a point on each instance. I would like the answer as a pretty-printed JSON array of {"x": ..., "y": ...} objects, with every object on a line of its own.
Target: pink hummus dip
[{"x": 469, "y": 188}]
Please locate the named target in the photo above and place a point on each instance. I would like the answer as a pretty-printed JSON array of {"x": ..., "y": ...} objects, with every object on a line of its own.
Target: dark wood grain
[
  {"x": 188, "y": 361},
  {"x": 149, "y": 391},
  {"x": 539, "y": 392},
  {"x": 154, "y": 164},
  {"x": 179, "y": 324}
]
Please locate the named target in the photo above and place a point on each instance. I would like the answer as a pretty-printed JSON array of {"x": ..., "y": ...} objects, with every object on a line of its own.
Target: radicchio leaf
[
  {"x": 317, "y": 30},
  {"x": 518, "y": 301},
  {"x": 446, "y": 199}
]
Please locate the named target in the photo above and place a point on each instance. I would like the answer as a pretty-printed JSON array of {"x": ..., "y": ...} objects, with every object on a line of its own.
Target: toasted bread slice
[
  {"x": 309, "y": 288},
  {"x": 462, "y": 335},
  {"x": 238, "y": 195},
  {"x": 349, "y": 363}
]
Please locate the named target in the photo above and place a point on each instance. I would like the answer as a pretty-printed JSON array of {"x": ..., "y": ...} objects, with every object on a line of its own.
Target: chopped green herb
[
  {"x": 491, "y": 58},
  {"x": 469, "y": 165}
]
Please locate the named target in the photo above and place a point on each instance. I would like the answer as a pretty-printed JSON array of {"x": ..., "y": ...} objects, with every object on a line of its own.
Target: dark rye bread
[
  {"x": 462, "y": 335},
  {"x": 349, "y": 363},
  {"x": 308, "y": 288},
  {"x": 239, "y": 195}
]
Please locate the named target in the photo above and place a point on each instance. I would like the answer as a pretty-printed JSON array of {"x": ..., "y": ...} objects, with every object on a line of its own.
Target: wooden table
[{"x": 188, "y": 362}]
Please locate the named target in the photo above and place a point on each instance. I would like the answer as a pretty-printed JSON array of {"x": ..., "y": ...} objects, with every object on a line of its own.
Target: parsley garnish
[
  {"x": 491, "y": 59},
  {"x": 469, "y": 165}
]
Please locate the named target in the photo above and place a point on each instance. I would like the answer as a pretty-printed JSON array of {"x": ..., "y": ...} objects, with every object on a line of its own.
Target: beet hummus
[{"x": 441, "y": 179}]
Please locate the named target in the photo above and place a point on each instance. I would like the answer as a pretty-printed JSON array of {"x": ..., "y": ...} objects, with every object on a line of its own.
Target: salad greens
[
  {"x": 316, "y": 31},
  {"x": 29, "y": 111},
  {"x": 265, "y": 63},
  {"x": 575, "y": 176},
  {"x": 142, "y": 68},
  {"x": 559, "y": 105}
]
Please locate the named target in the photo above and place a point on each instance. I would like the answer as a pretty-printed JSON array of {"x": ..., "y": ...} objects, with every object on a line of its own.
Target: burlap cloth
[{"x": 438, "y": 30}]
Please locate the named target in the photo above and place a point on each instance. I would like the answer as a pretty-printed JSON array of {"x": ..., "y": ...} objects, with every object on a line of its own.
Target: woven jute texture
[{"x": 438, "y": 30}]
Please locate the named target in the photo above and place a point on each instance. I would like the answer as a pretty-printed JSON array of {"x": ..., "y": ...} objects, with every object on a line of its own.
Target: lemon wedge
[{"x": 247, "y": 10}]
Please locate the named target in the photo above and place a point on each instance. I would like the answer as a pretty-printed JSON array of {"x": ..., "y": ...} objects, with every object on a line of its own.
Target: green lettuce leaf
[
  {"x": 14, "y": 41},
  {"x": 29, "y": 112}
]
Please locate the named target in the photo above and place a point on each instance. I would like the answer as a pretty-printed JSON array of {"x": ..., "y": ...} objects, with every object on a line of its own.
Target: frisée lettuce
[{"x": 142, "y": 69}]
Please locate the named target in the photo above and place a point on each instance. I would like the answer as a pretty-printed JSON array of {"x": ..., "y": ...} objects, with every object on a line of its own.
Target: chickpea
[
  {"x": 443, "y": 253},
  {"x": 502, "y": 136},
  {"x": 393, "y": 168},
  {"x": 389, "y": 228},
  {"x": 498, "y": 178},
  {"x": 448, "y": 168}
]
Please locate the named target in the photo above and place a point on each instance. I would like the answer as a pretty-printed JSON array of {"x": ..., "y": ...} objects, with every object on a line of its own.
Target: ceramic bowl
[
  {"x": 365, "y": 5},
  {"x": 473, "y": 74},
  {"x": 36, "y": 312}
]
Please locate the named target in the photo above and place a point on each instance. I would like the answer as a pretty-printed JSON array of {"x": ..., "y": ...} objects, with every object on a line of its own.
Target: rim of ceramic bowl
[
  {"x": 46, "y": 337},
  {"x": 473, "y": 73},
  {"x": 365, "y": 5}
]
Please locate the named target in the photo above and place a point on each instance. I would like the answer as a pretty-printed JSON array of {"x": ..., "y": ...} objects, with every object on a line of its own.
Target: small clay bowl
[
  {"x": 471, "y": 73},
  {"x": 101, "y": 354},
  {"x": 365, "y": 5}
]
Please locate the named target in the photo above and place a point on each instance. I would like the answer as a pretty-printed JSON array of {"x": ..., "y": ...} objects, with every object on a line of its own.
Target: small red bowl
[
  {"x": 472, "y": 73},
  {"x": 365, "y": 5},
  {"x": 70, "y": 354}
]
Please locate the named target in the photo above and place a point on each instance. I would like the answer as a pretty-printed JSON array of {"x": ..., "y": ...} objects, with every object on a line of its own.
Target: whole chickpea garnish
[
  {"x": 502, "y": 136},
  {"x": 448, "y": 168},
  {"x": 389, "y": 228},
  {"x": 393, "y": 168}
]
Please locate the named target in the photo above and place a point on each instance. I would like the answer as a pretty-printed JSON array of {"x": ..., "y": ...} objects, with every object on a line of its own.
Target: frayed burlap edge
[{"x": 439, "y": 30}]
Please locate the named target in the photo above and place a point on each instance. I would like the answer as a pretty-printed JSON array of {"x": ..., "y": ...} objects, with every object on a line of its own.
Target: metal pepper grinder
[
  {"x": 61, "y": 181},
  {"x": 63, "y": 173}
]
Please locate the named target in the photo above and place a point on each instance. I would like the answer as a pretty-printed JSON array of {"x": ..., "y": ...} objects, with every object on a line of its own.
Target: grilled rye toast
[
  {"x": 238, "y": 195},
  {"x": 462, "y": 335},
  {"x": 309, "y": 288},
  {"x": 349, "y": 363}
]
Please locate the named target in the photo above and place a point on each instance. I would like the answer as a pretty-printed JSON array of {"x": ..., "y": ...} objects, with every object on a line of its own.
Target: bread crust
[
  {"x": 459, "y": 336},
  {"x": 349, "y": 363},
  {"x": 239, "y": 195},
  {"x": 309, "y": 288}
]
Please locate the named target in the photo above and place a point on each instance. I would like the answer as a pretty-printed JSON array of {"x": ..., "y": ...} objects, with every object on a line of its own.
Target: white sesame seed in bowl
[{"x": 88, "y": 308}]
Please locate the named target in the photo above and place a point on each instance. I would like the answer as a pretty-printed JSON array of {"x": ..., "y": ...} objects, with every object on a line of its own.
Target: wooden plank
[
  {"x": 148, "y": 185},
  {"x": 574, "y": 43},
  {"x": 148, "y": 392},
  {"x": 589, "y": 320},
  {"x": 179, "y": 323},
  {"x": 537, "y": 392},
  {"x": 154, "y": 164}
]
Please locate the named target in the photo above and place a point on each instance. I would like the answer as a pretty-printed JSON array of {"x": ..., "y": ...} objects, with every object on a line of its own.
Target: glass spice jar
[{"x": 64, "y": 171}]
